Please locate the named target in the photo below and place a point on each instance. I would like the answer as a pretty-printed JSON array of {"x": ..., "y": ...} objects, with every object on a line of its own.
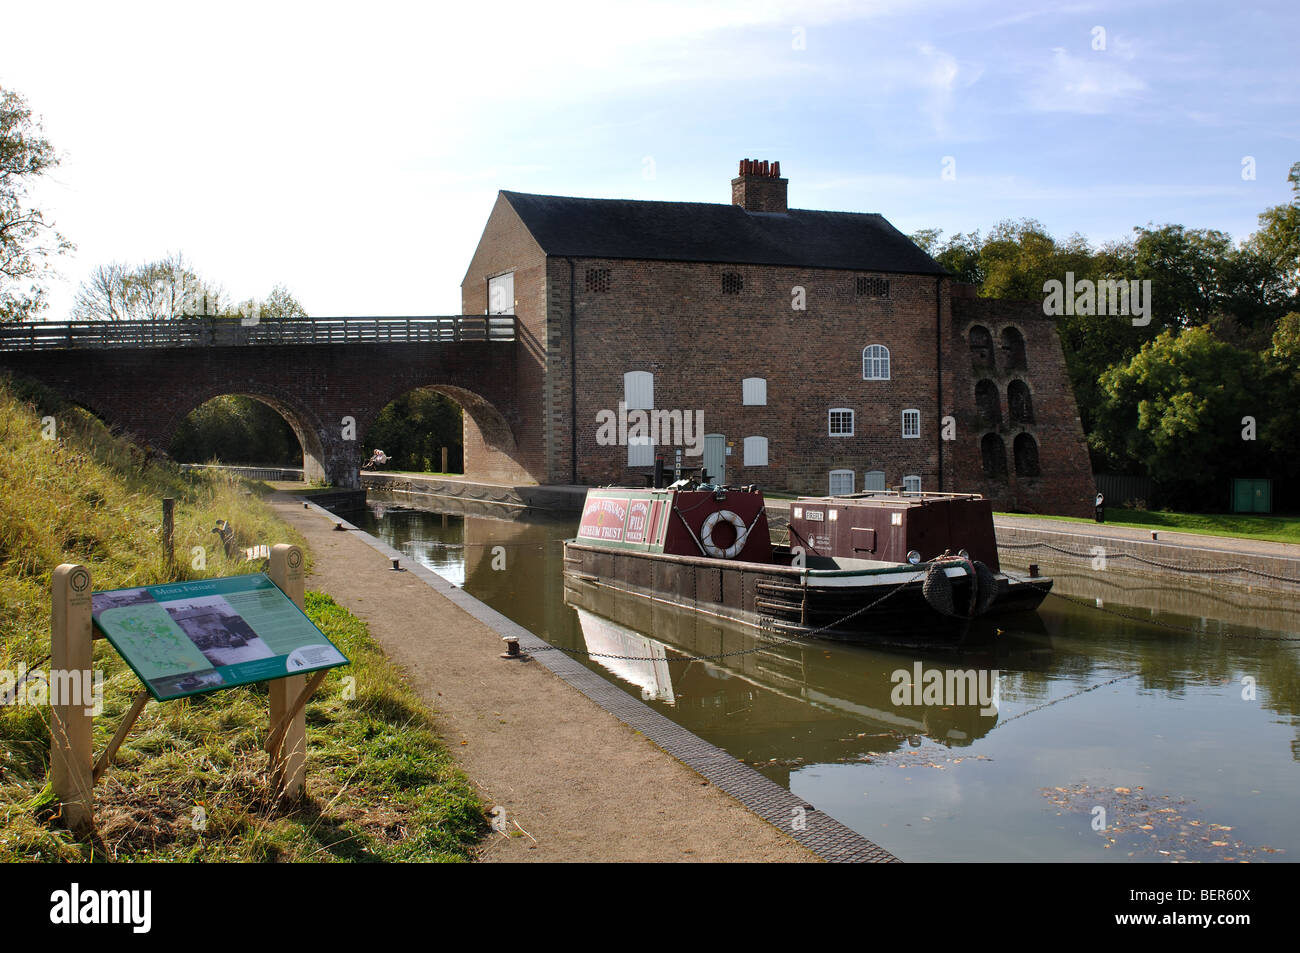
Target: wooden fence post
[
  {"x": 289, "y": 758},
  {"x": 71, "y": 757},
  {"x": 169, "y": 528}
]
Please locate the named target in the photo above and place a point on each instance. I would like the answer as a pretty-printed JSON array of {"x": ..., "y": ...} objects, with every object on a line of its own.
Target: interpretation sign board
[{"x": 187, "y": 638}]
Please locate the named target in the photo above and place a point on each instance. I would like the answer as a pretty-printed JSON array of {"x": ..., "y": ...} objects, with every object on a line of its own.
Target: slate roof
[{"x": 700, "y": 231}]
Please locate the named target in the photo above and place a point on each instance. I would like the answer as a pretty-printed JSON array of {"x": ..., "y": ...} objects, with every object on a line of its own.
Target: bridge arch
[
  {"x": 491, "y": 450},
  {"x": 306, "y": 426}
]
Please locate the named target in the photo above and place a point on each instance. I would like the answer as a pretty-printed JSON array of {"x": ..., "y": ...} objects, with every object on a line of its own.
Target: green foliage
[
  {"x": 381, "y": 786},
  {"x": 237, "y": 430},
  {"x": 413, "y": 429},
  {"x": 1177, "y": 408},
  {"x": 27, "y": 240}
]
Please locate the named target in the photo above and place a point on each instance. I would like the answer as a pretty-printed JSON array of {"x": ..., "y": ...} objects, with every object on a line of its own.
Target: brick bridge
[{"x": 329, "y": 378}]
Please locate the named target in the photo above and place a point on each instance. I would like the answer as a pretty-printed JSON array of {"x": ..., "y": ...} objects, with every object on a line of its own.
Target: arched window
[
  {"x": 994, "y": 453},
  {"x": 639, "y": 390},
  {"x": 988, "y": 403},
  {"x": 1026, "y": 451},
  {"x": 873, "y": 480},
  {"x": 875, "y": 363},
  {"x": 753, "y": 392},
  {"x": 1020, "y": 405},
  {"x": 841, "y": 482},
  {"x": 755, "y": 451},
  {"x": 981, "y": 348},
  {"x": 912, "y": 484},
  {"x": 1013, "y": 349}
]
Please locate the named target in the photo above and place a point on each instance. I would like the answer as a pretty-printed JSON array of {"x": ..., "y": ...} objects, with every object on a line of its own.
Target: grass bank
[
  {"x": 1278, "y": 529},
  {"x": 191, "y": 780}
]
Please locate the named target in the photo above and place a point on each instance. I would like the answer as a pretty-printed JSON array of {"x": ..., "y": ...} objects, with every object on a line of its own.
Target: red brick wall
[
  {"x": 672, "y": 319},
  {"x": 507, "y": 246},
  {"x": 1065, "y": 484}
]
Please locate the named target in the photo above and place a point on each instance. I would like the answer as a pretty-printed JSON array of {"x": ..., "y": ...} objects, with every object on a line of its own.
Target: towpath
[{"x": 583, "y": 785}]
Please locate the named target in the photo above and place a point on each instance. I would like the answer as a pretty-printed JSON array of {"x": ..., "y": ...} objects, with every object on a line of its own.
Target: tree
[
  {"x": 27, "y": 240},
  {"x": 162, "y": 290},
  {"x": 1176, "y": 409}
]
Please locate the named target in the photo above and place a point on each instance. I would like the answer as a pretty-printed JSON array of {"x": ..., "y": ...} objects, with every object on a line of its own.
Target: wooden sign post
[
  {"x": 71, "y": 766},
  {"x": 289, "y": 750}
]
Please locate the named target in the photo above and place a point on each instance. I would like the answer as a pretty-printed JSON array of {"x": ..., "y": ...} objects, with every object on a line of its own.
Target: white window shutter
[
  {"x": 754, "y": 391},
  {"x": 639, "y": 390},
  {"x": 755, "y": 451}
]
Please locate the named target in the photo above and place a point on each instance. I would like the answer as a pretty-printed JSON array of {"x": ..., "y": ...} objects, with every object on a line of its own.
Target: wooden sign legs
[
  {"x": 287, "y": 743},
  {"x": 70, "y": 717}
]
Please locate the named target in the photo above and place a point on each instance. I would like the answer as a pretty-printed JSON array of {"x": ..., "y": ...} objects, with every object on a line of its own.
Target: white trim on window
[
  {"x": 755, "y": 451},
  {"x": 875, "y": 363},
  {"x": 639, "y": 390},
  {"x": 754, "y": 392},
  {"x": 912, "y": 484},
  {"x": 835, "y": 426},
  {"x": 841, "y": 482},
  {"x": 911, "y": 424}
]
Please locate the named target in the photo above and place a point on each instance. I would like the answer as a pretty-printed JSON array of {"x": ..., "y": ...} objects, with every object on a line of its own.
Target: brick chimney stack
[{"x": 759, "y": 187}]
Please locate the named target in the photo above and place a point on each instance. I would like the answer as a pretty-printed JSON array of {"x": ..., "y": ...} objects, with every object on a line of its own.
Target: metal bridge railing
[{"x": 230, "y": 332}]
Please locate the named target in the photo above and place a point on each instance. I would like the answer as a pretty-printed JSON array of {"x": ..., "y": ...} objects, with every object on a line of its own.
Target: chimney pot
[{"x": 759, "y": 187}]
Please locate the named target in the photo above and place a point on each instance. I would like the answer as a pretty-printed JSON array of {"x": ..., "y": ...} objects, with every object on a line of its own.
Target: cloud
[{"x": 1095, "y": 83}]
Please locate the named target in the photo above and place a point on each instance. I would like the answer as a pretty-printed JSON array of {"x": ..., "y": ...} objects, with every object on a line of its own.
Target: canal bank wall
[{"x": 592, "y": 774}]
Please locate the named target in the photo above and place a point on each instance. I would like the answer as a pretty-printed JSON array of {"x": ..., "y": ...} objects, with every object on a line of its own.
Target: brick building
[{"x": 823, "y": 349}]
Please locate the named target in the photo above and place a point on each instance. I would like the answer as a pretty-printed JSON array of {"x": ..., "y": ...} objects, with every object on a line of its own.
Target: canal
[{"x": 1128, "y": 720}]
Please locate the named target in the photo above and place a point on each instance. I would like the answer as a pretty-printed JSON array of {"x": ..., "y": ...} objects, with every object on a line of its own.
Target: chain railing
[{"x": 232, "y": 332}]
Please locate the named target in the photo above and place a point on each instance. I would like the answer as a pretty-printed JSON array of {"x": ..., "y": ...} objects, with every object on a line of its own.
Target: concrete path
[{"x": 583, "y": 785}]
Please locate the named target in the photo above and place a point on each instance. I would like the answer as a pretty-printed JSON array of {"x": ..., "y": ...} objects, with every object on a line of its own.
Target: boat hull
[{"x": 881, "y": 605}]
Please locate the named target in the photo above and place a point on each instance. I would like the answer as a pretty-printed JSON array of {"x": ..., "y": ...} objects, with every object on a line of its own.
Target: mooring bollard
[
  {"x": 512, "y": 648},
  {"x": 1033, "y": 570},
  {"x": 396, "y": 566}
]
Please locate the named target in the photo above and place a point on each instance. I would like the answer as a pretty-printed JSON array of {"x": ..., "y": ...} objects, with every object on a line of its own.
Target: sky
[{"x": 352, "y": 152}]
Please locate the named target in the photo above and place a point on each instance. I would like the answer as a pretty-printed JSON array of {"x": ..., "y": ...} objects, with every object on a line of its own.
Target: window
[
  {"x": 841, "y": 482},
  {"x": 598, "y": 280},
  {"x": 873, "y": 480},
  {"x": 1019, "y": 404},
  {"x": 875, "y": 363},
  {"x": 754, "y": 392},
  {"x": 1013, "y": 345},
  {"x": 501, "y": 294},
  {"x": 912, "y": 484},
  {"x": 640, "y": 452},
  {"x": 841, "y": 422},
  {"x": 873, "y": 287},
  {"x": 981, "y": 348},
  {"x": 755, "y": 451},
  {"x": 994, "y": 453},
  {"x": 639, "y": 390},
  {"x": 988, "y": 403},
  {"x": 911, "y": 423},
  {"x": 732, "y": 283},
  {"x": 1025, "y": 449}
]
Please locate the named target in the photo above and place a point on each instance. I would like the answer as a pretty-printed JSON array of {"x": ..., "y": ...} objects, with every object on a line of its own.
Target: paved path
[
  {"x": 582, "y": 784},
  {"x": 1227, "y": 544}
]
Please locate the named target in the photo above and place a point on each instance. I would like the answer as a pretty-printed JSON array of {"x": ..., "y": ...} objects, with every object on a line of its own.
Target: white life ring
[{"x": 706, "y": 534}]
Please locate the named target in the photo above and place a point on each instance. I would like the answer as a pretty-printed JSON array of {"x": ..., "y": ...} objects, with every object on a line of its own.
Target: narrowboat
[{"x": 884, "y": 567}]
